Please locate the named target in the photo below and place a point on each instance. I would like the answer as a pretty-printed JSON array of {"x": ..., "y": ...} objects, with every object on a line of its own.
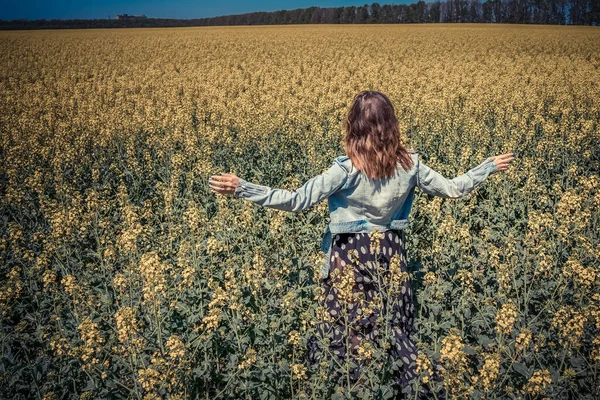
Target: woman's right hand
[
  {"x": 224, "y": 183},
  {"x": 503, "y": 161}
]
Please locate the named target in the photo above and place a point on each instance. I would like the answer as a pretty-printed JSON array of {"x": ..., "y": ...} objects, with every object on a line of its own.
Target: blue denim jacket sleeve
[
  {"x": 313, "y": 191},
  {"x": 433, "y": 183}
]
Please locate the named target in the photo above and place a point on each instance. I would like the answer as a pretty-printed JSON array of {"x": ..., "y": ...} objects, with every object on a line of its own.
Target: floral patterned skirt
[{"x": 368, "y": 292}]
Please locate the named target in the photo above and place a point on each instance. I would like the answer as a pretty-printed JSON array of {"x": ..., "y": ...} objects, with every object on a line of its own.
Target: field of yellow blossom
[{"x": 123, "y": 276}]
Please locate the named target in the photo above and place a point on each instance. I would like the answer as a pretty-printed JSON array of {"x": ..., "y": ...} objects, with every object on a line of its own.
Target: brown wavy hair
[{"x": 372, "y": 139}]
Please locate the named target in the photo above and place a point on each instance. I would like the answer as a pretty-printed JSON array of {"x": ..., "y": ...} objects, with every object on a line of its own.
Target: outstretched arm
[
  {"x": 433, "y": 183},
  {"x": 313, "y": 191}
]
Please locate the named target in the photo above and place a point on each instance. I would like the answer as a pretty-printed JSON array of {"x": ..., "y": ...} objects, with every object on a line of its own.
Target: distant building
[{"x": 127, "y": 16}]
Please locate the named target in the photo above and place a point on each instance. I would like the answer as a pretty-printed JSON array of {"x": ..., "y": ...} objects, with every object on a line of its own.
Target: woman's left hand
[{"x": 224, "y": 183}]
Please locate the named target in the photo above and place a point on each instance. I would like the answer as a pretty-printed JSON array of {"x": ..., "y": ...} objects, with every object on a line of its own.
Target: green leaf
[
  {"x": 483, "y": 340},
  {"x": 90, "y": 386},
  {"x": 522, "y": 369},
  {"x": 577, "y": 363},
  {"x": 467, "y": 313},
  {"x": 519, "y": 282}
]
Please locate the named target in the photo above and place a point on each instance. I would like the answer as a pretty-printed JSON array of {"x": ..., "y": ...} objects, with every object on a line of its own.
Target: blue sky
[{"x": 67, "y": 9}]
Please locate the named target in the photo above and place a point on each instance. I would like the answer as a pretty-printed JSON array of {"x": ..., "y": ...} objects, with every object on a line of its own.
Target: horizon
[{"x": 181, "y": 9}]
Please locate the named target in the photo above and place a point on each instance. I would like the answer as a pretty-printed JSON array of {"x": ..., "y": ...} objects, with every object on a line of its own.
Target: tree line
[{"x": 558, "y": 12}]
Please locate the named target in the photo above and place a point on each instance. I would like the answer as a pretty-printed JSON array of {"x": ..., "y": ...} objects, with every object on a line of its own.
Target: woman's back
[{"x": 376, "y": 201}]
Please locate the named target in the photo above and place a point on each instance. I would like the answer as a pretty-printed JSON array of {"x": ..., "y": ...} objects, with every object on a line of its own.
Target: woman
[{"x": 370, "y": 194}]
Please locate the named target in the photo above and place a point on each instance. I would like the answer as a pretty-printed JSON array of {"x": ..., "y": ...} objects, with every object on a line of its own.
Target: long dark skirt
[{"x": 375, "y": 281}]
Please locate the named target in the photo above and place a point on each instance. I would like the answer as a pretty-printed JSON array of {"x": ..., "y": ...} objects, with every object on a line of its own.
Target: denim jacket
[{"x": 360, "y": 204}]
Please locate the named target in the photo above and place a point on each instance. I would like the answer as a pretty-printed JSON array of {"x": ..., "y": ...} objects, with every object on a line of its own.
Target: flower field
[{"x": 123, "y": 276}]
